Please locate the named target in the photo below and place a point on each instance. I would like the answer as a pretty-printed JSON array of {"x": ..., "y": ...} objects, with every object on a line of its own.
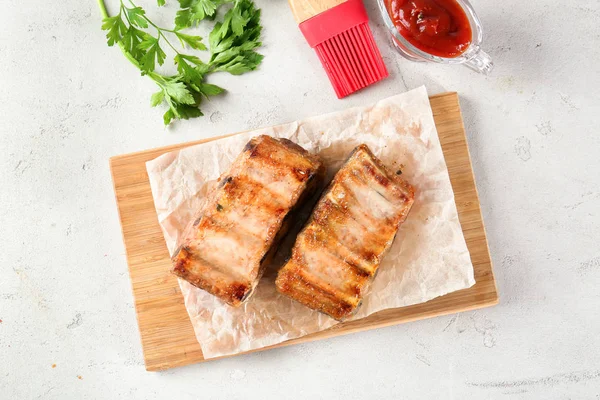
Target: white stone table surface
[{"x": 68, "y": 103}]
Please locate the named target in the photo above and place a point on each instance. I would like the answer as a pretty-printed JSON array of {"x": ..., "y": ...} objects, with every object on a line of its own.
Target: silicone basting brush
[{"x": 339, "y": 32}]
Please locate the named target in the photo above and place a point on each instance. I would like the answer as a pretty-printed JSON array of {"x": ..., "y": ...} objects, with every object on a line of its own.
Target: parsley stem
[
  {"x": 103, "y": 9},
  {"x": 149, "y": 21},
  {"x": 166, "y": 40},
  {"x": 127, "y": 55},
  {"x": 123, "y": 8},
  {"x": 159, "y": 30}
]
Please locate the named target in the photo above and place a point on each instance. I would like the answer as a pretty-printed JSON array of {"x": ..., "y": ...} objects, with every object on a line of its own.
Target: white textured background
[{"x": 68, "y": 103}]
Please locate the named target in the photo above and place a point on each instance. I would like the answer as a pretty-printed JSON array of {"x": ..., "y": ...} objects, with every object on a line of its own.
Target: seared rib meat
[
  {"x": 338, "y": 252},
  {"x": 225, "y": 250}
]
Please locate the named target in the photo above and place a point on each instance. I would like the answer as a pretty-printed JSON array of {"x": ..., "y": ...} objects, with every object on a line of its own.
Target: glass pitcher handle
[{"x": 481, "y": 63}]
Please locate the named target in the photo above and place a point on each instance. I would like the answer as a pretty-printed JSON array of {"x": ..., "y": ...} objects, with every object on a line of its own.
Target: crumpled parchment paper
[{"x": 429, "y": 257}]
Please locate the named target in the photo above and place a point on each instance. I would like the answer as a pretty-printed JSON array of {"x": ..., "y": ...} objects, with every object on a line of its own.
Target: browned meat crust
[
  {"x": 225, "y": 249},
  {"x": 338, "y": 252}
]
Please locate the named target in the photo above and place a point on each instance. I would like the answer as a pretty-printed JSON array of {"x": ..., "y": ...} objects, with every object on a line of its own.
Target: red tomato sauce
[{"x": 438, "y": 27}]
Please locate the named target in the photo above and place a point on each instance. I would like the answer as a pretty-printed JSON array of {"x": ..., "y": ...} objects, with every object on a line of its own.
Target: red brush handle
[{"x": 334, "y": 21}]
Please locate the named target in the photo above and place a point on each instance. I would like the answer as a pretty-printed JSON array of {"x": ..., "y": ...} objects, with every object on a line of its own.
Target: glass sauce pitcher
[{"x": 473, "y": 57}]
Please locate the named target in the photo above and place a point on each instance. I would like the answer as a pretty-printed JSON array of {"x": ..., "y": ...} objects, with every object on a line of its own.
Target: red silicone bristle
[{"x": 352, "y": 60}]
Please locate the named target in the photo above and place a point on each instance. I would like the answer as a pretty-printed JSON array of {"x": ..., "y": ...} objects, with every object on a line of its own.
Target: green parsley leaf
[
  {"x": 223, "y": 46},
  {"x": 160, "y": 2},
  {"x": 178, "y": 92},
  {"x": 187, "y": 112},
  {"x": 238, "y": 21},
  {"x": 168, "y": 116},
  {"x": 153, "y": 53},
  {"x": 208, "y": 89},
  {"x": 215, "y": 36},
  {"x": 181, "y": 112},
  {"x": 195, "y": 42},
  {"x": 208, "y": 6},
  {"x": 136, "y": 17},
  {"x": 188, "y": 72},
  {"x": 131, "y": 41},
  {"x": 116, "y": 29},
  {"x": 246, "y": 61},
  {"x": 157, "y": 98},
  {"x": 233, "y": 41},
  {"x": 252, "y": 59},
  {"x": 194, "y": 11}
]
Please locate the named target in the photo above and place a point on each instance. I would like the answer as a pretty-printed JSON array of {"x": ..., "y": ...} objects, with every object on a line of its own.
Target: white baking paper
[{"x": 429, "y": 257}]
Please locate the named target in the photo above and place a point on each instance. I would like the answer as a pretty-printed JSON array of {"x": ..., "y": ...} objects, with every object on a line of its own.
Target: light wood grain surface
[
  {"x": 167, "y": 335},
  {"x": 305, "y": 9}
]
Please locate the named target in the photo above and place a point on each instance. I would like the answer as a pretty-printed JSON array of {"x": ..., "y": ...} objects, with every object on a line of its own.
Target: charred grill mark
[
  {"x": 357, "y": 270},
  {"x": 181, "y": 261},
  {"x": 251, "y": 145},
  {"x": 382, "y": 180},
  {"x": 180, "y": 267},
  {"x": 288, "y": 143},
  {"x": 225, "y": 181},
  {"x": 246, "y": 295},
  {"x": 356, "y": 291},
  {"x": 341, "y": 305},
  {"x": 251, "y": 191},
  {"x": 370, "y": 257},
  {"x": 253, "y": 152},
  {"x": 239, "y": 291}
]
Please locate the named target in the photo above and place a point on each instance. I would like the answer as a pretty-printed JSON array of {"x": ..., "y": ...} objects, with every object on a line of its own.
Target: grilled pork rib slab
[
  {"x": 337, "y": 254},
  {"x": 225, "y": 250}
]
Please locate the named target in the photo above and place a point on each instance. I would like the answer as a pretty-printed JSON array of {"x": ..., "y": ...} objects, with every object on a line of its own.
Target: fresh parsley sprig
[
  {"x": 232, "y": 49},
  {"x": 233, "y": 41},
  {"x": 193, "y": 11}
]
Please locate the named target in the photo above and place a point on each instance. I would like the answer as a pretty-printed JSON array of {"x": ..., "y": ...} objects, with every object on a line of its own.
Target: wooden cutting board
[{"x": 167, "y": 335}]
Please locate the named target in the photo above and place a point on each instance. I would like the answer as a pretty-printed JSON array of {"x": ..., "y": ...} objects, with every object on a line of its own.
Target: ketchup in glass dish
[{"x": 438, "y": 27}]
